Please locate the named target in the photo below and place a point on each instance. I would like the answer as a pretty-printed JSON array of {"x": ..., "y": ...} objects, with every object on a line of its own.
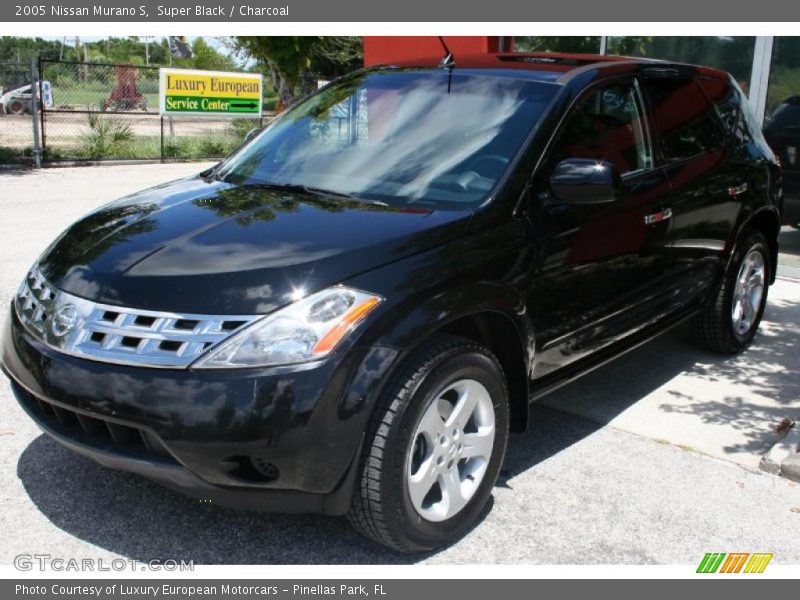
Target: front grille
[
  {"x": 93, "y": 431},
  {"x": 118, "y": 334},
  {"x": 35, "y": 301}
]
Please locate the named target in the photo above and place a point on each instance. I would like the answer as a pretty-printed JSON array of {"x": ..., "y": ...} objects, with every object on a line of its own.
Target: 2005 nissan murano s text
[{"x": 350, "y": 313}]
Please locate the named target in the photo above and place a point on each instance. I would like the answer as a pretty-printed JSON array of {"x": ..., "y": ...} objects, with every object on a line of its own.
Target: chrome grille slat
[{"x": 133, "y": 336}]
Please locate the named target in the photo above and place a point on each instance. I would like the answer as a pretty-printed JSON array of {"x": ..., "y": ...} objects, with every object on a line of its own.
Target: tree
[
  {"x": 337, "y": 56},
  {"x": 286, "y": 58},
  {"x": 207, "y": 57},
  {"x": 570, "y": 43}
]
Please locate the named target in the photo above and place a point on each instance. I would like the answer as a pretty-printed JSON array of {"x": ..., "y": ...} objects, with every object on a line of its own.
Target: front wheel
[
  {"x": 729, "y": 322},
  {"x": 434, "y": 447}
]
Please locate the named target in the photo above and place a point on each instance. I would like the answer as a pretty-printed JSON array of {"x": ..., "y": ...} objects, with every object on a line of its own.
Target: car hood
[{"x": 212, "y": 247}]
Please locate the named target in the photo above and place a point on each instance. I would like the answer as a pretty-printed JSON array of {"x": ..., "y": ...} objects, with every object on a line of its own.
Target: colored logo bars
[{"x": 734, "y": 562}]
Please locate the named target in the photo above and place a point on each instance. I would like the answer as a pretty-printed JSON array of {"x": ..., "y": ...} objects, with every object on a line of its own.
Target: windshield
[{"x": 432, "y": 138}]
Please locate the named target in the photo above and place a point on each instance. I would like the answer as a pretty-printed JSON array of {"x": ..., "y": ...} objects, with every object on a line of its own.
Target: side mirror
[
  {"x": 585, "y": 181},
  {"x": 252, "y": 133}
]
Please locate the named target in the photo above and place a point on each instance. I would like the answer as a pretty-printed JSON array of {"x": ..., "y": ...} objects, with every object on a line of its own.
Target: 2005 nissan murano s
[{"x": 350, "y": 313}]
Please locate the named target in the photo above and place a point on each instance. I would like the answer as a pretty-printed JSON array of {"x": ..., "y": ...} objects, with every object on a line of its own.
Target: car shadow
[{"x": 130, "y": 516}]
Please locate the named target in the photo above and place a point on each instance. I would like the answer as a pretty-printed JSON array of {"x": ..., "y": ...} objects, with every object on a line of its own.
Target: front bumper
[{"x": 281, "y": 439}]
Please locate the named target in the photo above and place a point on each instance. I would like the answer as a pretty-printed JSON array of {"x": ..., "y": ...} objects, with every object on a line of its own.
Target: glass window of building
[
  {"x": 733, "y": 54},
  {"x": 782, "y": 124},
  {"x": 569, "y": 43},
  {"x": 784, "y": 75}
]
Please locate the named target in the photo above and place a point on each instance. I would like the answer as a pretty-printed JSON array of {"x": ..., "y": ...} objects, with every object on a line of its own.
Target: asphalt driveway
[{"x": 612, "y": 477}]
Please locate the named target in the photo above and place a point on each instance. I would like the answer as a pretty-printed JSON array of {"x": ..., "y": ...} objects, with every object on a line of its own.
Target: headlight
[{"x": 308, "y": 329}]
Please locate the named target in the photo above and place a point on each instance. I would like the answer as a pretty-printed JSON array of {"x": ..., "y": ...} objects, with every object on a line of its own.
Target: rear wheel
[
  {"x": 730, "y": 321},
  {"x": 434, "y": 448}
]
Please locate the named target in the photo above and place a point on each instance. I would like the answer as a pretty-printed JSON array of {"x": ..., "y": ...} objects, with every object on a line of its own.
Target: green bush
[
  {"x": 9, "y": 155},
  {"x": 212, "y": 147},
  {"x": 53, "y": 154},
  {"x": 175, "y": 148},
  {"x": 106, "y": 137}
]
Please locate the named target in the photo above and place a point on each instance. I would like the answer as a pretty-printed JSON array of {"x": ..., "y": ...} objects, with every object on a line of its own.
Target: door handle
[
  {"x": 654, "y": 218},
  {"x": 737, "y": 190}
]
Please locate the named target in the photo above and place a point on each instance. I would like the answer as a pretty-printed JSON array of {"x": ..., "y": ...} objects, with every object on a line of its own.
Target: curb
[
  {"x": 784, "y": 457},
  {"x": 790, "y": 467}
]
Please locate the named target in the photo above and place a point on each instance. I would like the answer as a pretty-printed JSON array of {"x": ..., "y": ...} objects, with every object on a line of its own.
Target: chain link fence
[
  {"x": 16, "y": 137},
  {"x": 95, "y": 112},
  {"x": 110, "y": 112}
]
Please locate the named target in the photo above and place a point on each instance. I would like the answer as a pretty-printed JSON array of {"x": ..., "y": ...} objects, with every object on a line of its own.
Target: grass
[
  {"x": 146, "y": 147},
  {"x": 94, "y": 98}
]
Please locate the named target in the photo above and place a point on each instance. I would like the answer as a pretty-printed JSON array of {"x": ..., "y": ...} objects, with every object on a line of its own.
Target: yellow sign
[{"x": 209, "y": 92}]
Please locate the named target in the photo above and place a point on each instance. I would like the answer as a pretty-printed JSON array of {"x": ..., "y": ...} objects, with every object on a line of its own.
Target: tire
[
  {"x": 717, "y": 328},
  {"x": 16, "y": 107},
  {"x": 397, "y": 443}
]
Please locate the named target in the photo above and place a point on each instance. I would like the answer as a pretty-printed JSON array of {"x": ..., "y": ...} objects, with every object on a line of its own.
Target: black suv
[{"x": 349, "y": 314}]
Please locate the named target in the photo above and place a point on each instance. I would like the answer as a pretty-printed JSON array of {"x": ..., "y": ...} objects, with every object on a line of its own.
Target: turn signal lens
[{"x": 350, "y": 320}]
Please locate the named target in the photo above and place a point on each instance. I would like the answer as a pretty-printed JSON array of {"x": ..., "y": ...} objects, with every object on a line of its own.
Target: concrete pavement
[
  {"x": 789, "y": 258},
  {"x": 673, "y": 392}
]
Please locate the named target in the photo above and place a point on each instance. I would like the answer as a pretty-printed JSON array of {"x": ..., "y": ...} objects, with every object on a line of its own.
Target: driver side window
[{"x": 606, "y": 124}]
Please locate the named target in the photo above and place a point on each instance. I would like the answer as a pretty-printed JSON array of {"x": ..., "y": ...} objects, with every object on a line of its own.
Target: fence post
[
  {"x": 37, "y": 145},
  {"x": 161, "y": 120},
  {"x": 42, "y": 129}
]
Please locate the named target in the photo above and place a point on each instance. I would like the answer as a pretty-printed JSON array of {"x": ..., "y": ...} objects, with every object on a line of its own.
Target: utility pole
[
  {"x": 146, "y": 39},
  {"x": 37, "y": 140}
]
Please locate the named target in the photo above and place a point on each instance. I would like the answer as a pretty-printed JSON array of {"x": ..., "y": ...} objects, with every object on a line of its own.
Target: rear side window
[
  {"x": 730, "y": 106},
  {"x": 685, "y": 118}
]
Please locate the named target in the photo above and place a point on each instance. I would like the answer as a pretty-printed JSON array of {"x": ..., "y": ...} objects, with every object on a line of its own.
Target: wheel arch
[
  {"x": 768, "y": 222},
  {"x": 497, "y": 332},
  {"x": 494, "y": 317}
]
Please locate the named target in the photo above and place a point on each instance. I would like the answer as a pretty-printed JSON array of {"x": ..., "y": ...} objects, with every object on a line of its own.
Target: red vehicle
[{"x": 126, "y": 96}]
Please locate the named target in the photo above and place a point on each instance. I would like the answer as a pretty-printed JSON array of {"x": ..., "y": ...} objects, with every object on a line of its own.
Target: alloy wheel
[
  {"x": 748, "y": 292},
  {"x": 450, "y": 451}
]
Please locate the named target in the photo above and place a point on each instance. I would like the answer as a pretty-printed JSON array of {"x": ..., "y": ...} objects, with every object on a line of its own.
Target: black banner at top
[{"x": 281, "y": 11}]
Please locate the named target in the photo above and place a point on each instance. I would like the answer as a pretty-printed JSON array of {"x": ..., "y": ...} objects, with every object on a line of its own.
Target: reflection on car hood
[{"x": 213, "y": 247}]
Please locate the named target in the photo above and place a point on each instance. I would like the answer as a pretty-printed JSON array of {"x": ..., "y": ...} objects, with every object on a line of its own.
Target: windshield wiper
[
  {"x": 212, "y": 174},
  {"x": 322, "y": 192},
  {"x": 293, "y": 187}
]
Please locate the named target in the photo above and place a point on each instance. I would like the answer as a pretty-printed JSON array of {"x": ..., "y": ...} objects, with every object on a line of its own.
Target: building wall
[{"x": 380, "y": 50}]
